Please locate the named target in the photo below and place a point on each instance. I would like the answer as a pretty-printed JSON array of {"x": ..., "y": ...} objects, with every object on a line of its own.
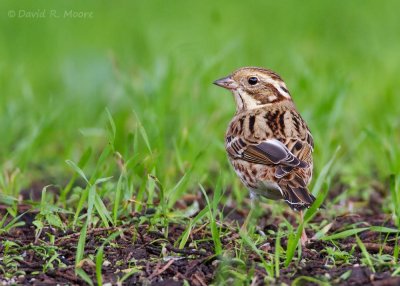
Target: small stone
[
  {"x": 266, "y": 247},
  {"x": 106, "y": 263}
]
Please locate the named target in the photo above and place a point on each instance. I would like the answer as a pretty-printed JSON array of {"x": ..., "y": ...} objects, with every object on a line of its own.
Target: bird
[{"x": 268, "y": 143}]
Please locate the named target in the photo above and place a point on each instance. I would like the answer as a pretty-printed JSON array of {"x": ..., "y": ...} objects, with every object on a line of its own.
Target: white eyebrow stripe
[{"x": 279, "y": 88}]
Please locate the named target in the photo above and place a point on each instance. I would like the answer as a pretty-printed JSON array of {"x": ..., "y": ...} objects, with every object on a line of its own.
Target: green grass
[{"x": 118, "y": 112}]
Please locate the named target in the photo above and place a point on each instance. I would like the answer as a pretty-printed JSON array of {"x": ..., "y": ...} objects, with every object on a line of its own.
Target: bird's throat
[{"x": 245, "y": 101}]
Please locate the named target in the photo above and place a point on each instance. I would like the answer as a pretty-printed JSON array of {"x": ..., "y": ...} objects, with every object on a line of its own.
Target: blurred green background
[{"x": 340, "y": 60}]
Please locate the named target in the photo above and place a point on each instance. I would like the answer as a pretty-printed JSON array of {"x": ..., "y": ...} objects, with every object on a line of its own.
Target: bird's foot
[{"x": 304, "y": 239}]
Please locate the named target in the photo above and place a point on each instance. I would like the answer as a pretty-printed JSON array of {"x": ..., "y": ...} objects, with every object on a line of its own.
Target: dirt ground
[{"x": 157, "y": 260}]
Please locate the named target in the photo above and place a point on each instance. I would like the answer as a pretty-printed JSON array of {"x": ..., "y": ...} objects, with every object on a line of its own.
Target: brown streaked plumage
[{"x": 268, "y": 143}]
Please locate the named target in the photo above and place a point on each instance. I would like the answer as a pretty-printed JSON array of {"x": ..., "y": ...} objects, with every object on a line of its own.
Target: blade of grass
[
  {"x": 324, "y": 173},
  {"x": 300, "y": 281},
  {"x": 185, "y": 235},
  {"x": 277, "y": 253},
  {"x": 78, "y": 170},
  {"x": 107, "y": 151},
  {"x": 81, "y": 273},
  {"x": 112, "y": 130},
  {"x": 163, "y": 202},
  {"x": 215, "y": 233},
  {"x": 117, "y": 198},
  {"x": 6, "y": 199},
  {"x": 268, "y": 268},
  {"x": 99, "y": 257},
  {"x": 179, "y": 188},
  {"x": 127, "y": 275},
  {"x": 79, "y": 207},
  {"x": 143, "y": 132},
  {"x": 15, "y": 222},
  {"x": 175, "y": 193},
  {"x": 81, "y": 244},
  {"x": 102, "y": 211},
  {"x": 350, "y": 232},
  {"x": 395, "y": 194},
  {"x": 383, "y": 229},
  {"x": 81, "y": 163},
  {"x": 90, "y": 203},
  {"x": 344, "y": 234},
  {"x": 365, "y": 253},
  {"x": 396, "y": 248}
]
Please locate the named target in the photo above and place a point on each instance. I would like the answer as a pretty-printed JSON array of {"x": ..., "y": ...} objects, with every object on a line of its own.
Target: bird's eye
[{"x": 252, "y": 80}]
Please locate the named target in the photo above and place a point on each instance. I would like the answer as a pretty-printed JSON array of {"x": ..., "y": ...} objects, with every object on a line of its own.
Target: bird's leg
[{"x": 304, "y": 238}]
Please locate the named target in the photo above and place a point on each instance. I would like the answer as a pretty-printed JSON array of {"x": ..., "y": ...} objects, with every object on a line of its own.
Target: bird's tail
[{"x": 297, "y": 197}]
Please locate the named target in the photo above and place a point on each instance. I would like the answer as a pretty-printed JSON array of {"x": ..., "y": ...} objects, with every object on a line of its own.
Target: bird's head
[{"x": 255, "y": 87}]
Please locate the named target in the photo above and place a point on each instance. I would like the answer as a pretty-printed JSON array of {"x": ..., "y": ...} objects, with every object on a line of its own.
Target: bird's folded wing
[{"x": 268, "y": 152}]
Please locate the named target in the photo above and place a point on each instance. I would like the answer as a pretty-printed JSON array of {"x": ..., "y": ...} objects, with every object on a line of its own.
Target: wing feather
[{"x": 268, "y": 152}]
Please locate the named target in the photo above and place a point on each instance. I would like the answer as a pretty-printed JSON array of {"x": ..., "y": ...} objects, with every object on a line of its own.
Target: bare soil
[{"x": 158, "y": 261}]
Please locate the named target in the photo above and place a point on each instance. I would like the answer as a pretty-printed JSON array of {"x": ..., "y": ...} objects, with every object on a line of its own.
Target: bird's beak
[{"x": 226, "y": 82}]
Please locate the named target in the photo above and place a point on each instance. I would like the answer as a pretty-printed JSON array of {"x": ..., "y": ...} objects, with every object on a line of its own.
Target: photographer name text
[{"x": 55, "y": 14}]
